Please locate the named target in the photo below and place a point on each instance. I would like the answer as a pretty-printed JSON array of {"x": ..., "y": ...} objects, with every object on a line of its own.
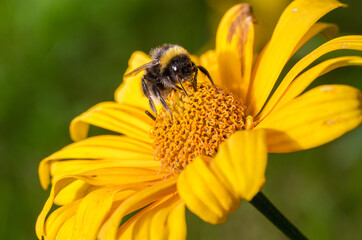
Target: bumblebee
[{"x": 170, "y": 65}]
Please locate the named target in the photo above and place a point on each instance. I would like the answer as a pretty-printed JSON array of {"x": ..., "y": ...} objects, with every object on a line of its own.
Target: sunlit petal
[
  {"x": 316, "y": 117},
  {"x": 305, "y": 79},
  {"x": 100, "y": 147},
  {"x": 120, "y": 118},
  {"x": 74, "y": 191},
  {"x": 67, "y": 229},
  {"x": 329, "y": 30},
  {"x": 241, "y": 162},
  {"x": 203, "y": 194},
  {"x": 159, "y": 221},
  {"x": 209, "y": 61},
  {"x": 58, "y": 218},
  {"x": 91, "y": 213},
  {"x": 345, "y": 42},
  {"x": 234, "y": 47},
  {"x": 293, "y": 24},
  {"x": 40, "y": 226},
  {"x": 137, "y": 201},
  {"x": 212, "y": 188},
  {"x": 130, "y": 91}
]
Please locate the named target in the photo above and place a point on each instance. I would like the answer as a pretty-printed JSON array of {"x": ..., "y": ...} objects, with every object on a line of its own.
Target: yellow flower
[{"x": 158, "y": 167}]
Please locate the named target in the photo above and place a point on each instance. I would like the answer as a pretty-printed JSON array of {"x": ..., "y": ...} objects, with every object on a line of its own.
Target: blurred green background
[{"x": 58, "y": 58}]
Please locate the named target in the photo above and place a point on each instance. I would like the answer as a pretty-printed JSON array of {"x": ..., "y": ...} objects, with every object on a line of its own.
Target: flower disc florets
[{"x": 201, "y": 121}]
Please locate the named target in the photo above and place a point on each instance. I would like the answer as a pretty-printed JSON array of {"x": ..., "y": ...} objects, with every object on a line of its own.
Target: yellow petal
[
  {"x": 100, "y": 147},
  {"x": 85, "y": 182},
  {"x": 91, "y": 178},
  {"x": 295, "y": 21},
  {"x": 130, "y": 91},
  {"x": 66, "y": 231},
  {"x": 241, "y": 163},
  {"x": 177, "y": 223},
  {"x": 124, "y": 176},
  {"x": 345, "y": 42},
  {"x": 154, "y": 224},
  {"x": 125, "y": 231},
  {"x": 91, "y": 213},
  {"x": 69, "y": 167},
  {"x": 204, "y": 194},
  {"x": 329, "y": 30},
  {"x": 40, "y": 227},
  {"x": 212, "y": 188},
  {"x": 58, "y": 218},
  {"x": 137, "y": 201},
  {"x": 234, "y": 47},
  {"x": 209, "y": 61},
  {"x": 314, "y": 118},
  {"x": 120, "y": 118},
  {"x": 305, "y": 79},
  {"x": 195, "y": 59},
  {"x": 76, "y": 190}
]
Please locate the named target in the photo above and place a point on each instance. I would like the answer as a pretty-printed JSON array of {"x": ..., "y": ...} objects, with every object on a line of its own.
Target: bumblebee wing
[{"x": 143, "y": 67}]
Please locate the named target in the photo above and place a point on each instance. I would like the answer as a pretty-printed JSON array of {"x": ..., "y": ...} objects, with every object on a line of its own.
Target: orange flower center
[{"x": 201, "y": 121}]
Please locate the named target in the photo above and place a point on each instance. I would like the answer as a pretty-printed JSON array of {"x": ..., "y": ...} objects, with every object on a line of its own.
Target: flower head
[{"x": 214, "y": 152}]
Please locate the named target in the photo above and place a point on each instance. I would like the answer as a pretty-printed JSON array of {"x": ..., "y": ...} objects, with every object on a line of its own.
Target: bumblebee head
[{"x": 182, "y": 67}]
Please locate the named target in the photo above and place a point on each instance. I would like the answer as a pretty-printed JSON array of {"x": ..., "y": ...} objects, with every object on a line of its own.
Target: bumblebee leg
[
  {"x": 150, "y": 115},
  {"x": 194, "y": 82},
  {"x": 204, "y": 71},
  {"x": 148, "y": 95},
  {"x": 174, "y": 77},
  {"x": 173, "y": 84},
  {"x": 157, "y": 93}
]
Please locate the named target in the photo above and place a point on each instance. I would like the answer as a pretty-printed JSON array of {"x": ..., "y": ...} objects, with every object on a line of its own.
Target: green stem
[{"x": 264, "y": 206}]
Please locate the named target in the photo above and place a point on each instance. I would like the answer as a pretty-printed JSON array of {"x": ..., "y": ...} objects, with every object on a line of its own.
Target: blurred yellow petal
[
  {"x": 130, "y": 91},
  {"x": 177, "y": 222},
  {"x": 58, "y": 218},
  {"x": 329, "y": 30},
  {"x": 234, "y": 47},
  {"x": 203, "y": 194},
  {"x": 241, "y": 162},
  {"x": 305, "y": 79},
  {"x": 345, "y": 42},
  {"x": 155, "y": 223},
  {"x": 66, "y": 231},
  {"x": 91, "y": 213},
  {"x": 196, "y": 204},
  {"x": 120, "y": 118},
  {"x": 295, "y": 21},
  {"x": 195, "y": 59},
  {"x": 316, "y": 117},
  {"x": 100, "y": 147},
  {"x": 133, "y": 203}
]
